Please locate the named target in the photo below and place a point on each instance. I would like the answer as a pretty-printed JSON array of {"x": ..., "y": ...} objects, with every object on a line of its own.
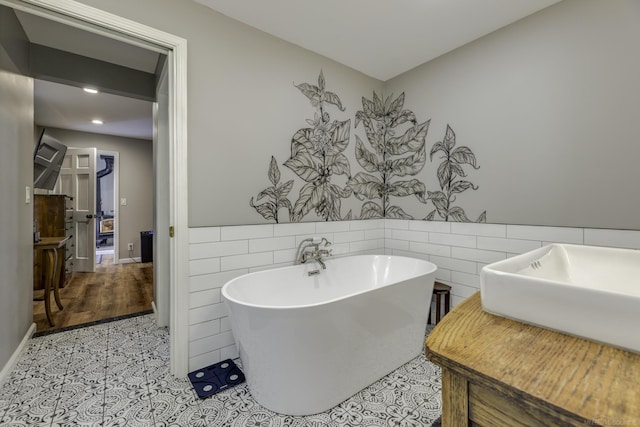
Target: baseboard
[
  {"x": 129, "y": 260},
  {"x": 11, "y": 363}
]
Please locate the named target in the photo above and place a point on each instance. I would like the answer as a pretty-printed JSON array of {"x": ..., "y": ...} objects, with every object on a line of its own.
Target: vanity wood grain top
[{"x": 497, "y": 370}]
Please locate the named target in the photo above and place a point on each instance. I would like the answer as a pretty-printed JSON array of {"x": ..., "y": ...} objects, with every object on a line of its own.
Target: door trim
[{"x": 98, "y": 21}]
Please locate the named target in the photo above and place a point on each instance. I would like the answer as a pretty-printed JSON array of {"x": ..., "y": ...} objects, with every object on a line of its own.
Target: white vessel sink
[{"x": 591, "y": 292}]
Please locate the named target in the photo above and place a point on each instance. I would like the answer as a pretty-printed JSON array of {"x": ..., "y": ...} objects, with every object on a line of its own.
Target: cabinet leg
[
  {"x": 56, "y": 277},
  {"x": 51, "y": 263},
  {"x": 455, "y": 399}
]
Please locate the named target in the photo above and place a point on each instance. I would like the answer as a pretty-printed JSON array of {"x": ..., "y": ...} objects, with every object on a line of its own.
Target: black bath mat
[{"x": 215, "y": 378}]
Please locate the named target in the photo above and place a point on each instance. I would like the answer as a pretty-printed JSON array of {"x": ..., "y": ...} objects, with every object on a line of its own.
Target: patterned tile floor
[{"x": 116, "y": 374}]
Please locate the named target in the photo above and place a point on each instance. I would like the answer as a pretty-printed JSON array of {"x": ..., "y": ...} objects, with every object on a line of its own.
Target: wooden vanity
[{"x": 500, "y": 372}]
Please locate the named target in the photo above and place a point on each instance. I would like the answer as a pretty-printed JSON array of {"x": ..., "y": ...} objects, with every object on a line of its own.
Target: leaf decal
[
  {"x": 411, "y": 140},
  {"x": 460, "y": 186},
  {"x": 330, "y": 206},
  {"x": 366, "y": 185},
  {"x": 310, "y": 91},
  {"x": 301, "y": 141},
  {"x": 317, "y": 155},
  {"x": 440, "y": 201},
  {"x": 406, "y": 188},
  {"x": 274, "y": 172},
  {"x": 396, "y": 212},
  {"x": 438, "y": 146},
  {"x": 284, "y": 189},
  {"x": 372, "y": 134},
  {"x": 457, "y": 214},
  {"x": 404, "y": 117},
  {"x": 318, "y": 94},
  {"x": 303, "y": 166},
  {"x": 381, "y": 118},
  {"x": 340, "y": 136},
  {"x": 365, "y": 158},
  {"x": 340, "y": 192},
  {"x": 321, "y": 82},
  {"x": 339, "y": 165},
  {"x": 396, "y": 106},
  {"x": 276, "y": 195},
  {"x": 444, "y": 174},
  {"x": 430, "y": 216},
  {"x": 267, "y": 209},
  {"x": 449, "y": 139},
  {"x": 456, "y": 169},
  {"x": 378, "y": 109},
  {"x": 464, "y": 155},
  {"x": 368, "y": 108},
  {"x": 409, "y": 165},
  {"x": 310, "y": 197},
  {"x": 268, "y": 192},
  {"x": 371, "y": 210},
  {"x": 332, "y": 98},
  {"x": 449, "y": 169}
]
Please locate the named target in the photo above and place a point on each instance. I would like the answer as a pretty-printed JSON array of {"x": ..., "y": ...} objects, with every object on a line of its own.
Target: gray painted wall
[
  {"x": 136, "y": 180},
  {"x": 547, "y": 105},
  {"x": 14, "y": 45},
  {"x": 550, "y": 107},
  {"x": 16, "y": 216},
  {"x": 243, "y": 106}
]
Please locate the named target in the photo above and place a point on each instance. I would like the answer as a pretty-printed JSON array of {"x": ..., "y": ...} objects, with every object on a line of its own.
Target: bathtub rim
[{"x": 432, "y": 269}]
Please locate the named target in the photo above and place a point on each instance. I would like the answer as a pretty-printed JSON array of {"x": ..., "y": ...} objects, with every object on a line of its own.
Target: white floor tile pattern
[{"x": 117, "y": 374}]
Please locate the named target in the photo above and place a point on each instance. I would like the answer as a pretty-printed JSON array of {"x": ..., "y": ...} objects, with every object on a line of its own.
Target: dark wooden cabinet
[{"x": 54, "y": 218}]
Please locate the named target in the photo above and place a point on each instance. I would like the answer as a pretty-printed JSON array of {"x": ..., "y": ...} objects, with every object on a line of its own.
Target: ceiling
[
  {"x": 69, "y": 107},
  {"x": 380, "y": 38}
]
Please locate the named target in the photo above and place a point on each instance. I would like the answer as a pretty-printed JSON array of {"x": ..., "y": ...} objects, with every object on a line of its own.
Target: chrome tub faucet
[{"x": 310, "y": 250}]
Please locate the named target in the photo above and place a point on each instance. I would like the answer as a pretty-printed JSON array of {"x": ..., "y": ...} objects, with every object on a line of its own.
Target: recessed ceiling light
[
  {"x": 97, "y": 121},
  {"x": 90, "y": 90}
]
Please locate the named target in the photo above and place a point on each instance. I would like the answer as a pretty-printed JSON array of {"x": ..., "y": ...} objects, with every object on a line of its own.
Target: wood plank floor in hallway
[{"x": 112, "y": 291}]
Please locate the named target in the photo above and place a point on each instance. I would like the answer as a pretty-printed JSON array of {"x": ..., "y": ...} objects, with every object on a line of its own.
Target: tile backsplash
[
  {"x": 460, "y": 250},
  {"x": 219, "y": 254}
]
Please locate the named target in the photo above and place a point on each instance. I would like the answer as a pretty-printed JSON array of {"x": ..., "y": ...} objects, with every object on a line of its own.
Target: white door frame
[{"x": 97, "y": 21}]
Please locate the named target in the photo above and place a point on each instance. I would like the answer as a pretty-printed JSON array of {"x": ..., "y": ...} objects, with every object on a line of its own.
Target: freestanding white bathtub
[{"x": 308, "y": 343}]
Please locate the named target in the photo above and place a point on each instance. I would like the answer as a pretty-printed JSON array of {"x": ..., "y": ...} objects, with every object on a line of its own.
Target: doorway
[
  {"x": 106, "y": 213},
  {"x": 98, "y": 22}
]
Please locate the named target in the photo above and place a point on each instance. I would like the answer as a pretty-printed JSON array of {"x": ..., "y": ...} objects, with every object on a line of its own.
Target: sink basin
[{"x": 587, "y": 291}]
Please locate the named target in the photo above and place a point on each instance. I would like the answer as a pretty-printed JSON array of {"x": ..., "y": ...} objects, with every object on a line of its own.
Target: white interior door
[{"x": 78, "y": 180}]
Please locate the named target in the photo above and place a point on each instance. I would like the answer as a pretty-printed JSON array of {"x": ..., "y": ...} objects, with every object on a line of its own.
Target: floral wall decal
[
  {"x": 393, "y": 156},
  {"x": 317, "y": 156},
  {"x": 449, "y": 172},
  {"x": 276, "y": 195}
]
